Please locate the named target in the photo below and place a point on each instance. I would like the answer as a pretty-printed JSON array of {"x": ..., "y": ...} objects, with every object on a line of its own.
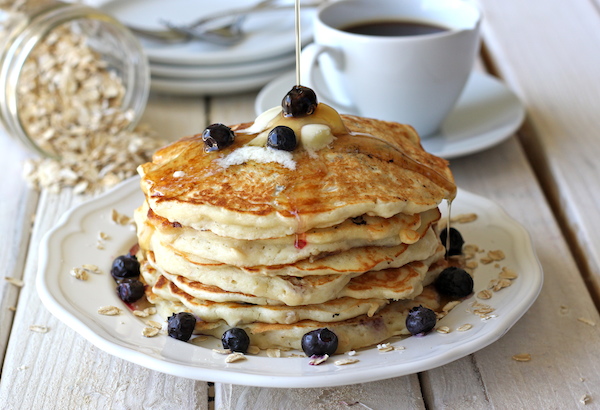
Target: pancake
[
  {"x": 236, "y": 313},
  {"x": 372, "y": 167},
  {"x": 336, "y": 229},
  {"x": 396, "y": 283},
  {"x": 352, "y": 262},
  {"x": 356, "y": 232},
  {"x": 361, "y": 331}
]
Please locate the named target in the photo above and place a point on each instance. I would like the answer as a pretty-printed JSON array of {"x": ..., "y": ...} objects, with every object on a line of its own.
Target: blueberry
[
  {"x": 216, "y": 137},
  {"x": 130, "y": 290},
  {"x": 420, "y": 320},
  {"x": 125, "y": 266},
  {"x": 236, "y": 340},
  {"x": 319, "y": 342},
  {"x": 299, "y": 102},
  {"x": 283, "y": 138},
  {"x": 456, "y": 241},
  {"x": 454, "y": 282},
  {"x": 181, "y": 325}
]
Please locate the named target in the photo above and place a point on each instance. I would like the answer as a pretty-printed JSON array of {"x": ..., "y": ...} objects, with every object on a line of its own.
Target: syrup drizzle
[
  {"x": 298, "y": 45},
  {"x": 415, "y": 166},
  {"x": 447, "y": 228}
]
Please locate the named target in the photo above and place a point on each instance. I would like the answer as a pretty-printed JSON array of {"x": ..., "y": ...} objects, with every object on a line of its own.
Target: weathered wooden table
[{"x": 547, "y": 177}]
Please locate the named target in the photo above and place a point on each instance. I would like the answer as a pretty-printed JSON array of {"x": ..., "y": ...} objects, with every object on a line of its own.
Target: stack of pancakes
[{"x": 282, "y": 243}]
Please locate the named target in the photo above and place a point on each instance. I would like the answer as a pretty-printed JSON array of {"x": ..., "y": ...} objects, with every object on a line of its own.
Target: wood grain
[{"x": 548, "y": 52}]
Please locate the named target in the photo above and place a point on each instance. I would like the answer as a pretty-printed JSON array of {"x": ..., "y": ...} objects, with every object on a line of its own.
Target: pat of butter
[
  {"x": 257, "y": 154},
  {"x": 262, "y": 121},
  {"x": 315, "y": 136}
]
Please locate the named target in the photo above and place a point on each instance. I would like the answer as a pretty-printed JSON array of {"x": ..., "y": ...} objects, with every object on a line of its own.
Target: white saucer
[
  {"x": 270, "y": 33},
  {"x": 214, "y": 86},
  {"x": 486, "y": 114},
  {"x": 286, "y": 60}
]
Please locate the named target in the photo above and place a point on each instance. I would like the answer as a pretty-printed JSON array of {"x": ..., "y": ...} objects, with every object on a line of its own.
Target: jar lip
[{"x": 41, "y": 22}]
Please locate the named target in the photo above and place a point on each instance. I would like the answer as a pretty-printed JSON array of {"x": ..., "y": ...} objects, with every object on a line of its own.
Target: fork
[{"x": 228, "y": 34}]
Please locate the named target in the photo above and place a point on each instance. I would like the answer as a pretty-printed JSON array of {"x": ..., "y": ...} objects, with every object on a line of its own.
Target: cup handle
[{"x": 308, "y": 70}]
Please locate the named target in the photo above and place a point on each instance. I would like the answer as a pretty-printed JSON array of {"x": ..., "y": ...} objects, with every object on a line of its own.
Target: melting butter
[
  {"x": 314, "y": 131},
  {"x": 257, "y": 154}
]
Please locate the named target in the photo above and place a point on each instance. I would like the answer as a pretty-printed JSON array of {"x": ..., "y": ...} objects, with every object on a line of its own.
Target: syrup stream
[
  {"x": 298, "y": 45},
  {"x": 447, "y": 228}
]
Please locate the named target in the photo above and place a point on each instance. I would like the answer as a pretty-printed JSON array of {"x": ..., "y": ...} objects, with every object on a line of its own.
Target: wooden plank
[
  {"x": 232, "y": 109},
  {"x": 398, "y": 393},
  {"x": 17, "y": 208},
  {"x": 563, "y": 349},
  {"x": 547, "y": 50},
  {"x": 174, "y": 117},
  {"x": 59, "y": 369}
]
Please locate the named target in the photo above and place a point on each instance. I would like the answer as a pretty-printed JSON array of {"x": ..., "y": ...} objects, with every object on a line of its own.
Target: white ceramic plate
[
  {"x": 486, "y": 114},
  {"x": 214, "y": 86},
  {"x": 270, "y": 33},
  {"x": 285, "y": 61},
  {"x": 73, "y": 241}
]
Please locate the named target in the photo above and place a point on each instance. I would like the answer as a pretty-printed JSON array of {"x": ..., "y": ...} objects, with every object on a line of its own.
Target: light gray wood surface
[{"x": 547, "y": 177}]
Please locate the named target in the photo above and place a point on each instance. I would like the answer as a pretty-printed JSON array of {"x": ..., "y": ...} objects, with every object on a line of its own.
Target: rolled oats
[
  {"x": 119, "y": 218},
  {"x": 586, "y": 321},
  {"x": 14, "y": 281},
  {"x": 70, "y": 105},
  {"x": 484, "y": 294},
  {"x": 154, "y": 324},
  {"x": 79, "y": 273},
  {"x": 343, "y": 362},
  {"x": 496, "y": 255},
  {"x": 234, "y": 357},
  {"x": 522, "y": 357},
  {"x": 385, "y": 347},
  {"x": 109, "y": 311},
  {"x": 150, "y": 331},
  {"x": 39, "y": 328},
  {"x": 508, "y": 274},
  {"x": 317, "y": 360}
]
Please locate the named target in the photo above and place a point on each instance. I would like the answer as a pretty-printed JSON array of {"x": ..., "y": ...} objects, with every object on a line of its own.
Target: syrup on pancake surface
[{"x": 300, "y": 221}]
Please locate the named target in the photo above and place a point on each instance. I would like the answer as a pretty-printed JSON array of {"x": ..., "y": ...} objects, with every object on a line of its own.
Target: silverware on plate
[{"x": 223, "y": 28}]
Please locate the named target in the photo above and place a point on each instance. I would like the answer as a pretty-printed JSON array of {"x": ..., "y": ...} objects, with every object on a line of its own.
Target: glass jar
[{"x": 88, "y": 54}]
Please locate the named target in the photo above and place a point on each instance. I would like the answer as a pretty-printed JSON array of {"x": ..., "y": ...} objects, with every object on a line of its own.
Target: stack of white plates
[{"x": 197, "y": 67}]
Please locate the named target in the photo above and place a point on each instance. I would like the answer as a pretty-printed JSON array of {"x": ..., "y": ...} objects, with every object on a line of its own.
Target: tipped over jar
[{"x": 68, "y": 73}]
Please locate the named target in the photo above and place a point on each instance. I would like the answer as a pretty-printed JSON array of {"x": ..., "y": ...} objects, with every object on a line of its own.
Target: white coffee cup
[{"x": 414, "y": 79}]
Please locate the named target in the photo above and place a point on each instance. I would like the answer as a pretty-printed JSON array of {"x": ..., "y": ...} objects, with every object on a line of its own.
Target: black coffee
[{"x": 393, "y": 28}]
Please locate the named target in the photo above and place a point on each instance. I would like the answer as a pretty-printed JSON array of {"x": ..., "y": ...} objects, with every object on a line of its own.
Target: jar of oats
[{"x": 69, "y": 74}]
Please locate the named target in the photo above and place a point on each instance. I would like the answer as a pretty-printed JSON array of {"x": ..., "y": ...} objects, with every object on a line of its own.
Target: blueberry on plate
[
  {"x": 283, "y": 138},
  {"x": 454, "y": 282},
  {"x": 420, "y": 320},
  {"x": 181, "y": 325},
  {"x": 130, "y": 290},
  {"x": 236, "y": 340},
  {"x": 125, "y": 266},
  {"x": 456, "y": 241},
  {"x": 216, "y": 137},
  {"x": 319, "y": 342},
  {"x": 300, "y": 101}
]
